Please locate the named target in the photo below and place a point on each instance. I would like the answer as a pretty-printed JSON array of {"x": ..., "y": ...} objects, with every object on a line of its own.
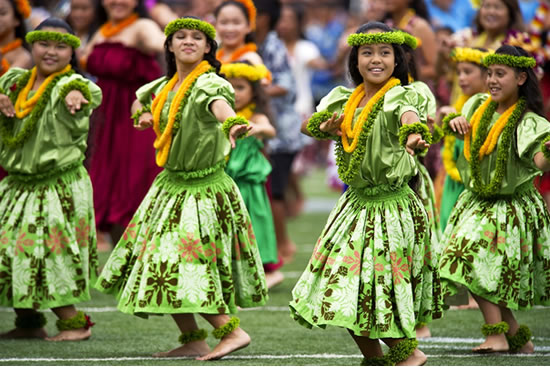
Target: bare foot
[
  {"x": 193, "y": 349},
  {"x": 71, "y": 335},
  {"x": 19, "y": 333},
  {"x": 287, "y": 251},
  {"x": 493, "y": 344},
  {"x": 423, "y": 332},
  {"x": 273, "y": 278},
  {"x": 418, "y": 358},
  {"x": 238, "y": 339},
  {"x": 528, "y": 348}
]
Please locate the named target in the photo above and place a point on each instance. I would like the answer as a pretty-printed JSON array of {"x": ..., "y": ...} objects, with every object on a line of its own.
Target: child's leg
[
  {"x": 522, "y": 333},
  {"x": 192, "y": 338},
  {"x": 28, "y": 324},
  {"x": 370, "y": 348},
  {"x": 232, "y": 336},
  {"x": 400, "y": 348},
  {"x": 494, "y": 342},
  {"x": 72, "y": 325}
]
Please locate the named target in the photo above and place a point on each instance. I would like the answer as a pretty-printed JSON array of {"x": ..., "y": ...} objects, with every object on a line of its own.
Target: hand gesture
[
  {"x": 74, "y": 101},
  {"x": 237, "y": 131},
  {"x": 414, "y": 143},
  {"x": 547, "y": 145},
  {"x": 460, "y": 125},
  {"x": 145, "y": 121},
  {"x": 332, "y": 125},
  {"x": 6, "y": 107}
]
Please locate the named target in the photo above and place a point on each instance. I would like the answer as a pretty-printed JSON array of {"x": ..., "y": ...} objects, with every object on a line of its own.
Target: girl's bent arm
[{"x": 540, "y": 160}]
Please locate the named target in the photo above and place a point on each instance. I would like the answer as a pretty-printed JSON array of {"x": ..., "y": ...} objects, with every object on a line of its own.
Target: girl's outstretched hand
[
  {"x": 547, "y": 145},
  {"x": 460, "y": 125},
  {"x": 415, "y": 142},
  {"x": 332, "y": 125},
  {"x": 6, "y": 107},
  {"x": 145, "y": 121},
  {"x": 74, "y": 101},
  {"x": 236, "y": 131}
]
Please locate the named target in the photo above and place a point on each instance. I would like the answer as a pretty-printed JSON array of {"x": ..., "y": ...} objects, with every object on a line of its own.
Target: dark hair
[
  {"x": 101, "y": 14},
  {"x": 514, "y": 13},
  {"x": 171, "y": 58},
  {"x": 530, "y": 90},
  {"x": 401, "y": 70},
  {"x": 249, "y": 38},
  {"x": 21, "y": 29},
  {"x": 420, "y": 9},
  {"x": 299, "y": 12},
  {"x": 272, "y": 8},
  {"x": 411, "y": 60},
  {"x": 94, "y": 26},
  {"x": 60, "y": 23}
]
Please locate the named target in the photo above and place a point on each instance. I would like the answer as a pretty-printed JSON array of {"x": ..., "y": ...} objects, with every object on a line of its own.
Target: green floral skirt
[
  {"x": 48, "y": 252},
  {"x": 499, "y": 249},
  {"x": 189, "y": 248},
  {"x": 372, "y": 270}
]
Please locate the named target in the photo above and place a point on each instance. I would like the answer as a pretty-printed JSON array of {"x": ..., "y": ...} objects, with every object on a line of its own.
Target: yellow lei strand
[
  {"x": 349, "y": 111},
  {"x": 449, "y": 145},
  {"x": 163, "y": 140},
  {"x": 492, "y": 138},
  {"x": 247, "y": 111},
  {"x": 23, "y": 106}
]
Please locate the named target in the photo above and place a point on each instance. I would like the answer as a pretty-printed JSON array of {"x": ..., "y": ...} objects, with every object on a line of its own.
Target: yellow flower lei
[
  {"x": 247, "y": 111},
  {"x": 349, "y": 112},
  {"x": 492, "y": 137},
  {"x": 467, "y": 54},
  {"x": 23, "y": 106},
  {"x": 449, "y": 144},
  {"x": 163, "y": 140},
  {"x": 252, "y": 73}
]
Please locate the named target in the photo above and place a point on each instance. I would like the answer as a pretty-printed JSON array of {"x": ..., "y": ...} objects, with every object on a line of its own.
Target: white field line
[{"x": 237, "y": 357}]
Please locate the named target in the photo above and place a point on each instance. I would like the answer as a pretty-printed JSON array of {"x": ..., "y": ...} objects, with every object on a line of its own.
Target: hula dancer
[
  {"x": 372, "y": 271},
  {"x": 190, "y": 247},
  {"x": 47, "y": 234},
  {"x": 497, "y": 241}
]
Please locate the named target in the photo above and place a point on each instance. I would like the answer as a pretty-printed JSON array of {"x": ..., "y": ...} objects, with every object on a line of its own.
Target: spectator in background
[
  {"x": 288, "y": 142},
  {"x": 83, "y": 21},
  {"x": 13, "y": 50},
  {"x": 454, "y": 14},
  {"x": 122, "y": 163}
]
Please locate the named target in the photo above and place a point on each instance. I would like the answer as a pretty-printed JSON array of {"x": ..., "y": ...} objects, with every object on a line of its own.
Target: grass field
[{"x": 120, "y": 339}]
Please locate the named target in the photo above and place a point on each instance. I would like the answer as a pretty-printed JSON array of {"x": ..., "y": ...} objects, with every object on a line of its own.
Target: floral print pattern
[
  {"x": 47, "y": 241},
  {"x": 188, "y": 249},
  {"x": 499, "y": 249},
  {"x": 368, "y": 272}
]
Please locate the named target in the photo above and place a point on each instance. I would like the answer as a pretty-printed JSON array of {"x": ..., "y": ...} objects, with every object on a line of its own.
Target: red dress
[{"x": 122, "y": 159}]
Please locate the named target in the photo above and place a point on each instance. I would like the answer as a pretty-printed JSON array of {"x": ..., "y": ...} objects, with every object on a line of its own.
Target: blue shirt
[{"x": 459, "y": 16}]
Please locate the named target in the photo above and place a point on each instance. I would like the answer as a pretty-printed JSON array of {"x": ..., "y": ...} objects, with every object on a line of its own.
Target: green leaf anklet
[
  {"x": 227, "y": 329},
  {"x": 401, "y": 351},
  {"x": 517, "y": 341},
  {"x": 193, "y": 336},
  {"x": 34, "y": 321},
  {"x": 494, "y": 329},
  {"x": 79, "y": 321}
]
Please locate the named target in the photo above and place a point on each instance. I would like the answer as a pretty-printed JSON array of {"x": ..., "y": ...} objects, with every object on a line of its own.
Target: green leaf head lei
[
  {"x": 40, "y": 35},
  {"x": 190, "y": 23},
  {"x": 410, "y": 40},
  {"x": 360, "y": 39},
  {"x": 520, "y": 62}
]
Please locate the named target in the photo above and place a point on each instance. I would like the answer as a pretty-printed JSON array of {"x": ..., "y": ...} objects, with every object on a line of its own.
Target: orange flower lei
[
  {"x": 8, "y": 48},
  {"x": 23, "y": 8},
  {"x": 236, "y": 55},
  {"x": 23, "y": 106},
  {"x": 163, "y": 140},
  {"x": 349, "y": 111},
  {"x": 493, "y": 135},
  {"x": 109, "y": 30}
]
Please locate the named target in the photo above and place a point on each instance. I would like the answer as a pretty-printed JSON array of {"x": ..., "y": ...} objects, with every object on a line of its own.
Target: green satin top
[
  {"x": 199, "y": 142},
  {"x": 520, "y": 167},
  {"x": 428, "y": 104},
  {"x": 59, "y": 139},
  {"x": 385, "y": 162}
]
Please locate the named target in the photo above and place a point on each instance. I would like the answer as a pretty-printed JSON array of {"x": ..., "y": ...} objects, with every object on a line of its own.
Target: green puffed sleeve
[
  {"x": 335, "y": 100},
  {"x": 399, "y": 100},
  {"x": 530, "y": 132},
  {"x": 208, "y": 88},
  {"x": 472, "y": 104},
  {"x": 10, "y": 78},
  {"x": 146, "y": 92},
  {"x": 426, "y": 98}
]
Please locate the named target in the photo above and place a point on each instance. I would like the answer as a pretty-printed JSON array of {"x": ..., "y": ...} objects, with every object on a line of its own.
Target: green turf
[{"x": 276, "y": 338}]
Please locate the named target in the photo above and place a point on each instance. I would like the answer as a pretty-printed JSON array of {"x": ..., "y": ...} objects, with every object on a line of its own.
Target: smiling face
[
  {"x": 494, "y": 16},
  {"x": 118, "y": 10},
  {"x": 189, "y": 46},
  {"x": 376, "y": 62},
  {"x": 243, "y": 92},
  {"x": 51, "y": 56},
  {"x": 232, "y": 26},
  {"x": 471, "y": 78},
  {"x": 504, "y": 82}
]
